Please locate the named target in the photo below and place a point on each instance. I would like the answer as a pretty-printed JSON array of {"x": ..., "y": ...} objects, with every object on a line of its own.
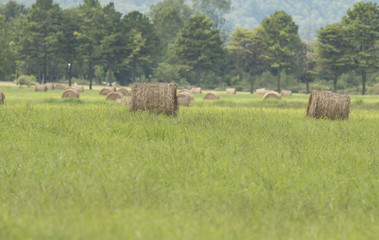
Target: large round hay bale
[
  {"x": 124, "y": 92},
  {"x": 211, "y": 96},
  {"x": 59, "y": 86},
  {"x": 286, "y": 93},
  {"x": 40, "y": 88},
  {"x": 262, "y": 91},
  {"x": 187, "y": 94},
  {"x": 2, "y": 97},
  {"x": 328, "y": 105},
  {"x": 70, "y": 93},
  {"x": 79, "y": 88},
  {"x": 106, "y": 90},
  {"x": 184, "y": 99},
  {"x": 159, "y": 98},
  {"x": 196, "y": 90},
  {"x": 231, "y": 91},
  {"x": 185, "y": 90},
  {"x": 271, "y": 94},
  {"x": 50, "y": 86},
  {"x": 124, "y": 101},
  {"x": 112, "y": 96}
]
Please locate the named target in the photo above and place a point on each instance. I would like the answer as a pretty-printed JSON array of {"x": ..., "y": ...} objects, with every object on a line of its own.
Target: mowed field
[{"x": 237, "y": 168}]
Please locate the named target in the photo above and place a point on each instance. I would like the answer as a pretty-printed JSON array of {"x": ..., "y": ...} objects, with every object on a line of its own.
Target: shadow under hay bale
[
  {"x": 262, "y": 91},
  {"x": 104, "y": 91},
  {"x": 124, "y": 101},
  {"x": 328, "y": 105},
  {"x": 59, "y": 86},
  {"x": 112, "y": 96},
  {"x": 124, "y": 92},
  {"x": 211, "y": 96},
  {"x": 286, "y": 93},
  {"x": 184, "y": 99},
  {"x": 231, "y": 91},
  {"x": 196, "y": 90},
  {"x": 70, "y": 93},
  {"x": 40, "y": 88},
  {"x": 271, "y": 94},
  {"x": 50, "y": 86},
  {"x": 2, "y": 97},
  {"x": 158, "y": 98},
  {"x": 187, "y": 94}
]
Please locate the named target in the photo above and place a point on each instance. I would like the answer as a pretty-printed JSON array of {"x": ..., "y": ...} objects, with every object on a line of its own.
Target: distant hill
[{"x": 310, "y": 15}]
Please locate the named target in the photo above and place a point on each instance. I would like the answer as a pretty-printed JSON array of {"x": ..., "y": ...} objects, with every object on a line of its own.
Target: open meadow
[{"x": 236, "y": 168}]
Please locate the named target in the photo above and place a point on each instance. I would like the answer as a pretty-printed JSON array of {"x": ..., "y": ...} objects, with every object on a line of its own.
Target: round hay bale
[
  {"x": 185, "y": 90},
  {"x": 271, "y": 94},
  {"x": 123, "y": 101},
  {"x": 59, "y": 86},
  {"x": 286, "y": 93},
  {"x": 184, "y": 99},
  {"x": 79, "y": 88},
  {"x": 158, "y": 98},
  {"x": 112, "y": 96},
  {"x": 231, "y": 91},
  {"x": 196, "y": 90},
  {"x": 187, "y": 94},
  {"x": 211, "y": 96},
  {"x": 50, "y": 86},
  {"x": 106, "y": 90},
  {"x": 40, "y": 88},
  {"x": 328, "y": 105},
  {"x": 262, "y": 91},
  {"x": 2, "y": 97},
  {"x": 124, "y": 92},
  {"x": 70, "y": 93}
]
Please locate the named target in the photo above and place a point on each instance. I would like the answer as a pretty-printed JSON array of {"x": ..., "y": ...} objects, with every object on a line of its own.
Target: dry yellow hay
[
  {"x": 2, "y": 97},
  {"x": 79, "y": 88},
  {"x": 50, "y": 86},
  {"x": 40, "y": 88},
  {"x": 211, "y": 96},
  {"x": 124, "y": 92},
  {"x": 70, "y": 93},
  {"x": 158, "y": 98},
  {"x": 112, "y": 96},
  {"x": 262, "y": 91},
  {"x": 328, "y": 105},
  {"x": 286, "y": 93},
  {"x": 196, "y": 90},
  {"x": 59, "y": 86},
  {"x": 231, "y": 91},
  {"x": 106, "y": 90},
  {"x": 184, "y": 99},
  {"x": 185, "y": 90},
  {"x": 271, "y": 94},
  {"x": 187, "y": 94},
  {"x": 124, "y": 101}
]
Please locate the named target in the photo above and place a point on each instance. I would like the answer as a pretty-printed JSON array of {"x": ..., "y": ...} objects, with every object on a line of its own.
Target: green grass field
[{"x": 237, "y": 168}]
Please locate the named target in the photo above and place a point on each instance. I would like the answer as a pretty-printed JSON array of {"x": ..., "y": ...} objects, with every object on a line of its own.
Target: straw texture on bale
[
  {"x": 286, "y": 93},
  {"x": 40, "y": 88},
  {"x": 59, "y": 86},
  {"x": 124, "y": 92},
  {"x": 271, "y": 94},
  {"x": 185, "y": 90},
  {"x": 112, "y": 96},
  {"x": 124, "y": 101},
  {"x": 184, "y": 99},
  {"x": 211, "y": 96},
  {"x": 196, "y": 90},
  {"x": 50, "y": 86},
  {"x": 70, "y": 93},
  {"x": 2, "y": 97},
  {"x": 262, "y": 91},
  {"x": 79, "y": 88},
  {"x": 187, "y": 94},
  {"x": 231, "y": 91},
  {"x": 158, "y": 98},
  {"x": 328, "y": 105},
  {"x": 106, "y": 90}
]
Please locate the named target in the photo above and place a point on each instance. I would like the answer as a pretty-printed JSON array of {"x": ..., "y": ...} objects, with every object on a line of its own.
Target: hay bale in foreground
[
  {"x": 106, "y": 90},
  {"x": 59, "y": 86},
  {"x": 187, "y": 94},
  {"x": 124, "y": 92},
  {"x": 286, "y": 93},
  {"x": 271, "y": 94},
  {"x": 112, "y": 96},
  {"x": 50, "y": 86},
  {"x": 262, "y": 91},
  {"x": 70, "y": 93},
  {"x": 124, "y": 101},
  {"x": 211, "y": 96},
  {"x": 40, "y": 88},
  {"x": 158, "y": 98},
  {"x": 184, "y": 99},
  {"x": 231, "y": 91},
  {"x": 328, "y": 105},
  {"x": 196, "y": 90},
  {"x": 2, "y": 97}
]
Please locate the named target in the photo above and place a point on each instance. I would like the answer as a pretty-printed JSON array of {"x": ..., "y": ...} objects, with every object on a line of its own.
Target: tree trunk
[
  {"x": 279, "y": 79},
  {"x": 90, "y": 74},
  {"x": 134, "y": 67},
  {"x": 38, "y": 63},
  {"x": 335, "y": 82},
  {"x": 110, "y": 71},
  {"x": 306, "y": 82},
  {"x": 363, "y": 82},
  {"x": 198, "y": 74},
  {"x": 69, "y": 75},
  {"x": 252, "y": 79}
]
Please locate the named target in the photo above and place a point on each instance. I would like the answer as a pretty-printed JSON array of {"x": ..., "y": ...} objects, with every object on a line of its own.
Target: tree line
[{"x": 92, "y": 43}]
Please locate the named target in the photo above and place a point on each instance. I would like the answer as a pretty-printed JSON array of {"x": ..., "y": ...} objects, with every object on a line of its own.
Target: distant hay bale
[
  {"x": 158, "y": 98},
  {"x": 40, "y": 88},
  {"x": 70, "y": 93},
  {"x": 106, "y": 90},
  {"x": 112, "y": 96},
  {"x": 231, "y": 91},
  {"x": 196, "y": 90},
  {"x": 271, "y": 94},
  {"x": 79, "y": 88},
  {"x": 59, "y": 86},
  {"x": 187, "y": 94},
  {"x": 50, "y": 86},
  {"x": 328, "y": 105},
  {"x": 124, "y": 92},
  {"x": 2, "y": 97},
  {"x": 262, "y": 91},
  {"x": 211, "y": 96},
  {"x": 123, "y": 101},
  {"x": 286, "y": 93},
  {"x": 184, "y": 99}
]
